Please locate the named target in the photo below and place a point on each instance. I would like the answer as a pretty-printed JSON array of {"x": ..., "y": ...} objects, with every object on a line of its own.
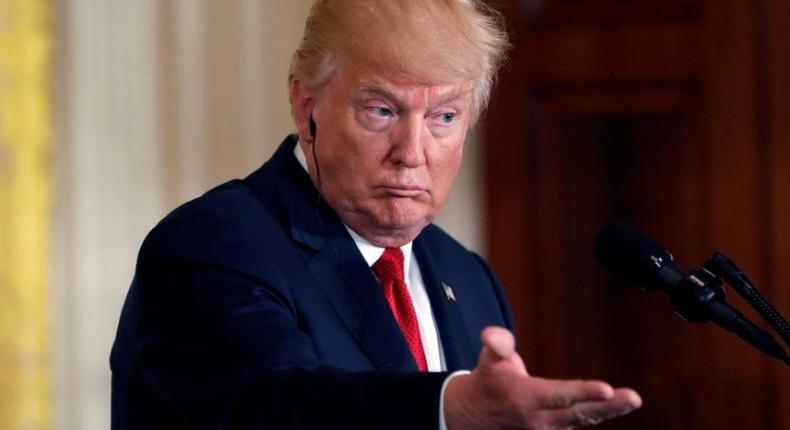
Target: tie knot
[{"x": 389, "y": 266}]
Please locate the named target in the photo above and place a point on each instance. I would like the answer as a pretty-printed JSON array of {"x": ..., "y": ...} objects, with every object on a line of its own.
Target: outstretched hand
[{"x": 500, "y": 394}]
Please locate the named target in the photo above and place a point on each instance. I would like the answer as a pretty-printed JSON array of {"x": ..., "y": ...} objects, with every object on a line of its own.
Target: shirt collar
[
  {"x": 370, "y": 252},
  {"x": 299, "y": 154}
]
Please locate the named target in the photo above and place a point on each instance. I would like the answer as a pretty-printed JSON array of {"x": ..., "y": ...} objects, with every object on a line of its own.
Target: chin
[
  {"x": 393, "y": 237},
  {"x": 404, "y": 218},
  {"x": 406, "y": 229},
  {"x": 393, "y": 223}
]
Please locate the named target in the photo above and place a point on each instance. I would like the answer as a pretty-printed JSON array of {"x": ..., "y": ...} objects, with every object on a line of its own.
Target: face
[{"x": 388, "y": 148}]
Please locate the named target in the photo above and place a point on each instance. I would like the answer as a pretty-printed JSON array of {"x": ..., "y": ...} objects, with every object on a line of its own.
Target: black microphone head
[{"x": 625, "y": 250}]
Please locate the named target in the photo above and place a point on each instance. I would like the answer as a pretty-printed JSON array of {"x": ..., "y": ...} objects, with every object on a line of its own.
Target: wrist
[{"x": 457, "y": 413}]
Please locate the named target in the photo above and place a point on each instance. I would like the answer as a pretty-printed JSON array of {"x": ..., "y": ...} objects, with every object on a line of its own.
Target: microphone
[
  {"x": 696, "y": 296},
  {"x": 638, "y": 258}
]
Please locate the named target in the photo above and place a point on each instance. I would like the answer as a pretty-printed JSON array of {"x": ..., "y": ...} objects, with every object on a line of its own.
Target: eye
[
  {"x": 447, "y": 117},
  {"x": 375, "y": 115},
  {"x": 382, "y": 111}
]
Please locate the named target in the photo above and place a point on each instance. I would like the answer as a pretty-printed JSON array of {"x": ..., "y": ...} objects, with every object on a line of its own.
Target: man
[{"x": 315, "y": 293}]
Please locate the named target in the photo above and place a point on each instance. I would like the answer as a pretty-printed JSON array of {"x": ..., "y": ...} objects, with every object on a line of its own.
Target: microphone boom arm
[
  {"x": 699, "y": 297},
  {"x": 725, "y": 268}
]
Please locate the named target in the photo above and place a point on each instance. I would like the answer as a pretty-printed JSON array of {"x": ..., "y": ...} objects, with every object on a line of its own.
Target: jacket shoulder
[{"x": 229, "y": 225}]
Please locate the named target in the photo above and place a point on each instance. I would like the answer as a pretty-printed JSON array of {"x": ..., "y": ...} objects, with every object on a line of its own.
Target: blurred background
[{"x": 671, "y": 114}]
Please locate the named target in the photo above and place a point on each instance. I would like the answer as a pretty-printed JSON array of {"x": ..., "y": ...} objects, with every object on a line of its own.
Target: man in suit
[{"x": 315, "y": 293}]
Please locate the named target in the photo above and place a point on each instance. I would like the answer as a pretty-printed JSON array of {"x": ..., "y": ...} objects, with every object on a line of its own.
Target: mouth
[{"x": 402, "y": 190}]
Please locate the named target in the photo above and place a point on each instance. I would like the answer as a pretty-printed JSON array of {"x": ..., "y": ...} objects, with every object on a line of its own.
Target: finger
[
  {"x": 592, "y": 413},
  {"x": 499, "y": 343},
  {"x": 552, "y": 394},
  {"x": 499, "y": 351}
]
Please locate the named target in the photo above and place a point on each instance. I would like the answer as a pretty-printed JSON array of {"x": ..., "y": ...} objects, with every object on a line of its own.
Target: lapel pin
[{"x": 449, "y": 292}]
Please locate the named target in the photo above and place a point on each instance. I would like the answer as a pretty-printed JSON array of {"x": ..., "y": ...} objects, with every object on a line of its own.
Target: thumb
[{"x": 499, "y": 350}]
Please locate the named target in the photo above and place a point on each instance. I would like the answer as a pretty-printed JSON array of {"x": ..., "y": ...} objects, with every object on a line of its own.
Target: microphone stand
[
  {"x": 700, "y": 298},
  {"x": 723, "y": 266}
]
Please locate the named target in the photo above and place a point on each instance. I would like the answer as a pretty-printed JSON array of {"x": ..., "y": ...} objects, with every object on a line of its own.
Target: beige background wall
[{"x": 156, "y": 101}]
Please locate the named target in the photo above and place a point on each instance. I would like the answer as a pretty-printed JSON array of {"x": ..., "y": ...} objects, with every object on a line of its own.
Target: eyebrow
[
  {"x": 376, "y": 88},
  {"x": 451, "y": 96},
  {"x": 372, "y": 87}
]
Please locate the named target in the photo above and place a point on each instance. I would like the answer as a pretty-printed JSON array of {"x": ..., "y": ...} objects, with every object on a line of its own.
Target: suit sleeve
[{"x": 222, "y": 348}]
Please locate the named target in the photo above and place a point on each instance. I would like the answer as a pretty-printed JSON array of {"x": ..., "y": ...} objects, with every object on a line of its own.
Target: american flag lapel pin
[{"x": 449, "y": 292}]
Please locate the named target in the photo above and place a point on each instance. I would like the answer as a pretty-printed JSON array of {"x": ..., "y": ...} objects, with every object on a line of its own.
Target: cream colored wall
[{"x": 156, "y": 101}]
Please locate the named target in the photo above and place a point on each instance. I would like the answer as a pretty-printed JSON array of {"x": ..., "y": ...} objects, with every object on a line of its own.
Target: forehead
[{"x": 400, "y": 87}]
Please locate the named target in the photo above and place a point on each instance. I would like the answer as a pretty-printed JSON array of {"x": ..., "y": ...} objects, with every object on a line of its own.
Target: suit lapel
[
  {"x": 335, "y": 262},
  {"x": 458, "y": 351},
  {"x": 356, "y": 296}
]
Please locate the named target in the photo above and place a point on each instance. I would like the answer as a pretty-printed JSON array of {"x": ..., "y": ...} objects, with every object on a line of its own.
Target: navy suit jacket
[{"x": 252, "y": 307}]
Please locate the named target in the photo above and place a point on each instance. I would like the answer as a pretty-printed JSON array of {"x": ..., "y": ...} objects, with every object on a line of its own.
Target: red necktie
[{"x": 389, "y": 270}]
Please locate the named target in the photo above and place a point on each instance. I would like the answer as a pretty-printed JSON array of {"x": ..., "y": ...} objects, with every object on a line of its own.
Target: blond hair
[{"x": 431, "y": 40}]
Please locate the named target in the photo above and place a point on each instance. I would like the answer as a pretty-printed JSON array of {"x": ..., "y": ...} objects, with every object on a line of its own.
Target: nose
[{"x": 408, "y": 144}]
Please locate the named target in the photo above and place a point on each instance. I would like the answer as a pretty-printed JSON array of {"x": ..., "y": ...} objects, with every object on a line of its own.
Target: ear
[{"x": 302, "y": 105}]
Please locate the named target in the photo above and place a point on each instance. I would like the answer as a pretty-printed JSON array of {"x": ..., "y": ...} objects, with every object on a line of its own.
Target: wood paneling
[
  {"x": 585, "y": 12},
  {"x": 777, "y": 51},
  {"x": 664, "y": 52},
  {"x": 671, "y": 115}
]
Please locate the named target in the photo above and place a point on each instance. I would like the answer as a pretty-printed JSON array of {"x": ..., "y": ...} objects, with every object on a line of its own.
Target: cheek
[
  {"x": 355, "y": 165},
  {"x": 444, "y": 171},
  {"x": 366, "y": 153}
]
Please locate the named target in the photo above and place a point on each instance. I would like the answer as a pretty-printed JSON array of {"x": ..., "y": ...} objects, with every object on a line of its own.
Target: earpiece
[
  {"x": 313, "y": 132},
  {"x": 312, "y": 126}
]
